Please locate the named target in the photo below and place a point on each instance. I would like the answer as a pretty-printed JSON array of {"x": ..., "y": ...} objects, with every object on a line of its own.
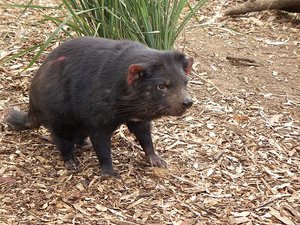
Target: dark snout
[
  {"x": 187, "y": 103},
  {"x": 179, "y": 103}
]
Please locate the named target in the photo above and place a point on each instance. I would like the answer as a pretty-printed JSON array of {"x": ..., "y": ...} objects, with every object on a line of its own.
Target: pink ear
[
  {"x": 188, "y": 69},
  {"x": 134, "y": 73}
]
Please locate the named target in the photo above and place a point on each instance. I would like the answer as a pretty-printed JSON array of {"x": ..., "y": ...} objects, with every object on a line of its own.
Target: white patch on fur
[{"x": 135, "y": 120}]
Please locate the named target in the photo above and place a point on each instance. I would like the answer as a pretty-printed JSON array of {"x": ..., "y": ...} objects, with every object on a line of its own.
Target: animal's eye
[{"x": 161, "y": 87}]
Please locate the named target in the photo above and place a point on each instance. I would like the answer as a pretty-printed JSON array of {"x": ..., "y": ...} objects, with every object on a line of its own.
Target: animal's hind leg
[{"x": 66, "y": 146}]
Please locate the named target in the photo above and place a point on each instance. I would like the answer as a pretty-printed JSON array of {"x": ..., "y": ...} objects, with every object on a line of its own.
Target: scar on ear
[
  {"x": 135, "y": 72},
  {"x": 189, "y": 67}
]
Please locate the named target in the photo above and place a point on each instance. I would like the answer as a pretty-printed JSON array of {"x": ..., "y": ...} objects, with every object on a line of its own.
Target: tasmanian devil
[{"x": 88, "y": 86}]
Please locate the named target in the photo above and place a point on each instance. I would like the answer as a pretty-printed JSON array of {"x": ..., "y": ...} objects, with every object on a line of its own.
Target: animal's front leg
[{"x": 142, "y": 131}]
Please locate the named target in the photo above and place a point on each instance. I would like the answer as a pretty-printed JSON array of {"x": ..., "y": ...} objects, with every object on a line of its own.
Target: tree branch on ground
[{"x": 261, "y": 5}]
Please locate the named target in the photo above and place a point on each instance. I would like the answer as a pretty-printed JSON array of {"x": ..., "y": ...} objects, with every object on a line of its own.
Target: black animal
[{"x": 88, "y": 86}]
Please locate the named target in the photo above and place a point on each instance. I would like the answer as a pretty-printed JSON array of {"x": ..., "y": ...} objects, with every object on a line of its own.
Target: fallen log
[{"x": 261, "y": 5}]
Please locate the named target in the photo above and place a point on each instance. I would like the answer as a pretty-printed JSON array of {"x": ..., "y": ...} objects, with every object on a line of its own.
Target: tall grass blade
[
  {"x": 48, "y": 41},
  {"x": 20, "y": 53},
  {"x": 156, "y": 23}
]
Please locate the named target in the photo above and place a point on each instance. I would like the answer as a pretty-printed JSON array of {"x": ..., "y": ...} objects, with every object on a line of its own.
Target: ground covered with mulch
[{"x": 233, "y": 158}]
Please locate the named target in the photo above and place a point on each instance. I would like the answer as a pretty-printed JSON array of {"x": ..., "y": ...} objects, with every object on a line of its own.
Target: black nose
[{"x": 187, "y": 103}]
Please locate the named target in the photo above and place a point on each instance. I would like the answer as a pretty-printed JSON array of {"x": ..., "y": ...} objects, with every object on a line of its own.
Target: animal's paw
[
  {"x": 109, "y": 172},
  {"x": 156, "y": 160},
  {"x": 72, "y": 164}
]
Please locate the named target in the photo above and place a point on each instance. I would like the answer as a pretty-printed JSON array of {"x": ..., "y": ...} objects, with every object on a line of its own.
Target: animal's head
[{"x": 159, "y": 84}]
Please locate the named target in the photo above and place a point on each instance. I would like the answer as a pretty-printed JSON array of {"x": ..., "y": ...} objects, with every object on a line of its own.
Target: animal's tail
[{"x": 18, "y": 120}]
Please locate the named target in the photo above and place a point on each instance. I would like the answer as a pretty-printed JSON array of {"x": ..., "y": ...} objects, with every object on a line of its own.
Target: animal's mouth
[
  {"x": 176, "y": 112},
  {"x": 163, "y": 111},
  {"x": 177, "y": 107}
]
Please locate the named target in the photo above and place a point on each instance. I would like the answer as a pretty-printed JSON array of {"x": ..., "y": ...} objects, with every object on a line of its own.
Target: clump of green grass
[{"x": 156, "y": 23}]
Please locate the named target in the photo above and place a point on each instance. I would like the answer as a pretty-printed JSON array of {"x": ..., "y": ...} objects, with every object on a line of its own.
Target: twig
[
  {"x": 196, "y": 82},
  {"x": 40, "y": 218},
  {"x": 123, "y": 222},
  {"x": 242, "y": 61},
  {"x": 185, "y": 180},
  {"x": 209, "y": 82},
  {"x": 272, "y": 200}
]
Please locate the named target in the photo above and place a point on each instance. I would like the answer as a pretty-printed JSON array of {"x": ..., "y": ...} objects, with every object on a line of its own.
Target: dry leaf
[
  {"x": 101, "y": 208},
  {"x": 283, "y": 219}
]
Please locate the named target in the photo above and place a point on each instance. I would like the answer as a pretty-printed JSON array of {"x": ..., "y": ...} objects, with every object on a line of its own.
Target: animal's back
[
  {"x": 85, "y": 58},
  {"x": 77, "y": 78}
]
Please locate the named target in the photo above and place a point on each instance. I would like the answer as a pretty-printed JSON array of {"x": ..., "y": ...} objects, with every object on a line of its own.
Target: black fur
[{"x": 89, "y": 86}]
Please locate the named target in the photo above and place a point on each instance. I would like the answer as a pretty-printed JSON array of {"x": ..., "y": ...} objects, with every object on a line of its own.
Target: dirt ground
[{"x": 234, "y": 158}]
